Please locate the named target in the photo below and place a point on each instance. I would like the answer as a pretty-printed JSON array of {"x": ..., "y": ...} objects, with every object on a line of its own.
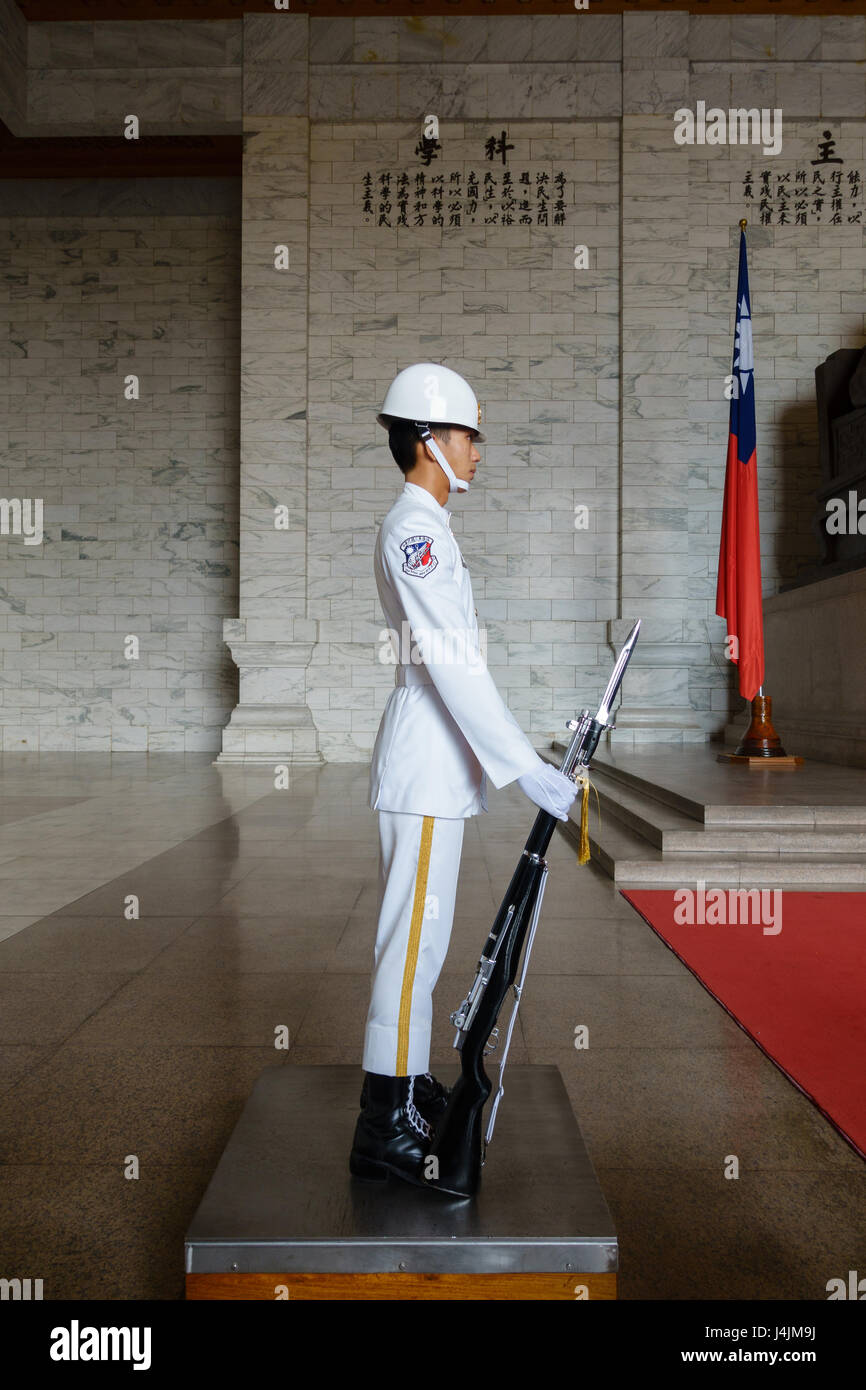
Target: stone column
[
  {"x": 655, "y": 583},
  {"x": 271, "y": 641}
]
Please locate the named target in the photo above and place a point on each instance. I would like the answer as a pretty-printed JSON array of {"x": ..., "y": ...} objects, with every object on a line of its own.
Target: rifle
[{"x": 457, "y": 1144}]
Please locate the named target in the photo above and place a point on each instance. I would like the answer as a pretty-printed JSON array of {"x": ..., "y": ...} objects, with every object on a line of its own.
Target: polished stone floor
[{"x": 125, "y": 1039}]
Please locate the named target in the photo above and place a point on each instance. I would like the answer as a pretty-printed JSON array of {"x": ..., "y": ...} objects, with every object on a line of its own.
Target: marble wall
[
  {"x": 601, "y": 387},
  {"x": 140, "y": 496},
  {"x": 179, "y": 78}
]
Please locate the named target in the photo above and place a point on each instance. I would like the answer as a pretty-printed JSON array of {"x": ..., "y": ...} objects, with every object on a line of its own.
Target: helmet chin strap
[{"x": 455, "y": 484}]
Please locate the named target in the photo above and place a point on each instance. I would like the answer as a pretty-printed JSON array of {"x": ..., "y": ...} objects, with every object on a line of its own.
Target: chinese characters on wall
[
  {"x": 467, "y": 196},
  {"x": 464, "y": 199},
  {"x": 823, "y": 192}
]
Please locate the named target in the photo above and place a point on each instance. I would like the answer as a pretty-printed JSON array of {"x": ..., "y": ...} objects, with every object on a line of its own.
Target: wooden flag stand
[{"x": 760, "y": 745}]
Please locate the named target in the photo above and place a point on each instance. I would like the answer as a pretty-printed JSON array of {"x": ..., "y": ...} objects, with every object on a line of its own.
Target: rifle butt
[{"x": 457, "y": 1142}]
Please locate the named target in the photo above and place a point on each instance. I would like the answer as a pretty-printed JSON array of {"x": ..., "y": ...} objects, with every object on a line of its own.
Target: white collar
[{"x": 420, "y": 494}]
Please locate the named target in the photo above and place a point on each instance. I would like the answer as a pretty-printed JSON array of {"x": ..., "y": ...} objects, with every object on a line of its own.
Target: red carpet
[{"x": 799, "y": 992}]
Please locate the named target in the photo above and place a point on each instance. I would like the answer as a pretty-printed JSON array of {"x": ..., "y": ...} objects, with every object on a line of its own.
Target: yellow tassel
[{"x": 582, "y": 779}]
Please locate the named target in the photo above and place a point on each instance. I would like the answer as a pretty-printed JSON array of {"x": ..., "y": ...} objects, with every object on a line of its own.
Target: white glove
[{"x": 549, "y": 788}]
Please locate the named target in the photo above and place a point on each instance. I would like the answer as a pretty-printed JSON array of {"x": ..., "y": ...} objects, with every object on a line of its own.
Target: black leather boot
[
  {"x": 430, "y": 1097},
  {"x": 391, "y": 1136}
]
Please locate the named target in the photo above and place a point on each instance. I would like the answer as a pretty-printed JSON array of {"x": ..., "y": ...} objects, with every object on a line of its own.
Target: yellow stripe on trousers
[{"x": 413, "y": 946}]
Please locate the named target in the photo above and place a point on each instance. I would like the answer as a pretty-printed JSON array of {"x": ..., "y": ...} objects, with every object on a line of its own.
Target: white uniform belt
[{"x": 412, "y": 675}]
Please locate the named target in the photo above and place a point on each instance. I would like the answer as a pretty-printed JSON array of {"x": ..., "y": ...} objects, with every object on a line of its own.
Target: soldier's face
[{"x": 461, "y": 452}]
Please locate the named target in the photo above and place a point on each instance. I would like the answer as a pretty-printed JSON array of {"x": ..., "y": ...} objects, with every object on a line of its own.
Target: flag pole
[{"x": 760, "y": 745}]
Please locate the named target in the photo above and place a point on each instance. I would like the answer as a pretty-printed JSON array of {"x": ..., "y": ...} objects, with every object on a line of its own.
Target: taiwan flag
[{"x": 738, "y": 596}]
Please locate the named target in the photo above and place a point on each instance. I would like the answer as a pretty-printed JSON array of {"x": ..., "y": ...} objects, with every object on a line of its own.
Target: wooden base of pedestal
[{"x": 418, "y": 1286}]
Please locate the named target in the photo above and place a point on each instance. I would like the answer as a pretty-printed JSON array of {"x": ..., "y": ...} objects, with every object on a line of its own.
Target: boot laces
[{"x": 416, "y": 1119}]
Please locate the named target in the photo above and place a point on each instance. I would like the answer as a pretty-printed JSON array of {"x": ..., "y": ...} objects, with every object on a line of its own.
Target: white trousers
[{"x": 419, "y": 860}]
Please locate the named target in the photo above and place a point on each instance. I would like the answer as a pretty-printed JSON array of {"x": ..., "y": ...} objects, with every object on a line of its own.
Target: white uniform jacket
[{"x": 445, "y": 728}]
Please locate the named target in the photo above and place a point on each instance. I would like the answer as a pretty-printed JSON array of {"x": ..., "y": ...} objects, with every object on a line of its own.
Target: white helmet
[{"x": 428, "y": 393}]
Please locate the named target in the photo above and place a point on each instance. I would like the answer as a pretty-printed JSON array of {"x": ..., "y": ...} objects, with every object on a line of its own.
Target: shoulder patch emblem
[{"x": 419, "y": 558}]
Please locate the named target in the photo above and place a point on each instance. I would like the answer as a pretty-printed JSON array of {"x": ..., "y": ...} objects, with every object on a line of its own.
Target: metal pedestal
[{"x": 283, "y": 1218}]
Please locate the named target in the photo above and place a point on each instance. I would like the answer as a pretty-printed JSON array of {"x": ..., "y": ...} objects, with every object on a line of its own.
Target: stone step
[
  {"x": 642, "y": 841},
  {"x": 672, "y": 831},
  {"x": 632, "y": 862},
  {"x": 686, "y": 806},
  {"x": 655, "y": 820},
  {"x": 786, "y": 804}
]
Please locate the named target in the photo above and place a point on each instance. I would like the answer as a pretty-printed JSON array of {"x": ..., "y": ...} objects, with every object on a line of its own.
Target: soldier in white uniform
[{"x": 444, "y": 732}]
